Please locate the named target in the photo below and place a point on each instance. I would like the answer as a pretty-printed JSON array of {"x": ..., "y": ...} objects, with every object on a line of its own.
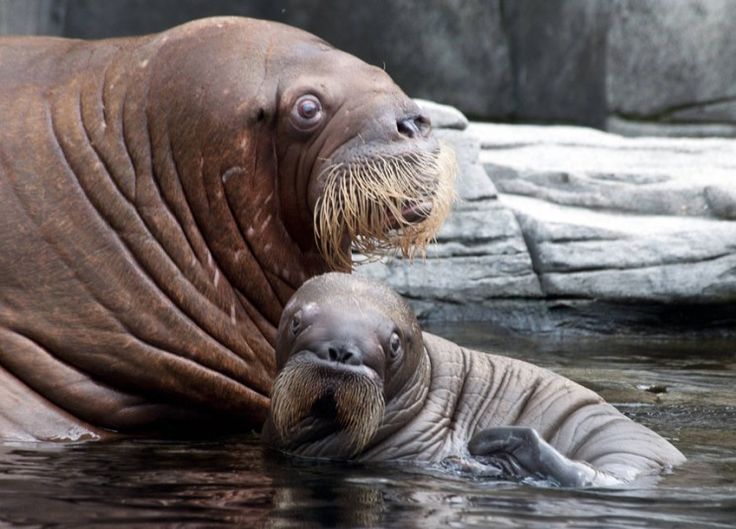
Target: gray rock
[
  {"x": 637, "y": 258},
  {"x": 31, "y": 17},
  {"x": 473, "y": 224},
  {"x": 638, "y": 128},
  {"x": 474, "y": 278},
  {"x": 429, "y": 47},
  {"x": 588, "y": 168},
  {"x": 559, "y": 50},
  {"x": 722, "y": 200},
  {"x": 620, "y": 219},
  {"x": 91, "y": 19},
  {"x": 714, "y": 112},
  {"x": 480, "y": 254},
  {"x": 473, "y": 183},
  {"x": 638, "y": 67},
  {"x": 443, "y": 116},
  {"x": 705, "y": 282},
  {"x": 668, "y": 61},
  {"x": 494, "y": 136},
  {"x": 591, "y": 232},
  {"x": 467, "y": 146}
]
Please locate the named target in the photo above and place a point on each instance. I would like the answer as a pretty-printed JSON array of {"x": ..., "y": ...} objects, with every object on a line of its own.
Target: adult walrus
[
  {"x": 162, "y": 197},
  {"x": 358, "y": 380}
]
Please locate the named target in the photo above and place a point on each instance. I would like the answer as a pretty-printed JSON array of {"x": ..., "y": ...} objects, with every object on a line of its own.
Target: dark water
[{"x": 684, "y": 390}]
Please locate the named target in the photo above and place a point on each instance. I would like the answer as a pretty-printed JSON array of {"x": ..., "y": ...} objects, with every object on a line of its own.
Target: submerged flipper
[{"x": 521, "y": 447}]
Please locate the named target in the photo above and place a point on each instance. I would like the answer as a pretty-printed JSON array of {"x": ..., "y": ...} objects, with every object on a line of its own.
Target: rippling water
[{"x": 685, "y": 391}]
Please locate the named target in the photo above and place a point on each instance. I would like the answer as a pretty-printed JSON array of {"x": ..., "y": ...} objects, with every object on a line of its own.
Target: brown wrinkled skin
[{"x": 155, "y": 217}]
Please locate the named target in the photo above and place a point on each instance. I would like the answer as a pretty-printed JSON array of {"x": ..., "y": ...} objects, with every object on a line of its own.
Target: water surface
[{"x": 684, "y": 390}]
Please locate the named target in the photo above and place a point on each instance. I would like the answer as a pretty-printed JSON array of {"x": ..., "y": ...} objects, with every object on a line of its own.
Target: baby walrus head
[{"x": 348, "y": 350}]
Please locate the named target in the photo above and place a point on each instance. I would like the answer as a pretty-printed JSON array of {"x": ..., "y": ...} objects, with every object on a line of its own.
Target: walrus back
[
  {"x": 489, "y": 391},
  {"x": 88, "y": 289}
]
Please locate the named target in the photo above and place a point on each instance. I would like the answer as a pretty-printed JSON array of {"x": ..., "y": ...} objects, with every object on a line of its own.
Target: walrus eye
[
  {"x": 296, "y": 323},
  {"x": 395, "y": 345},
  {"x": 307, "y": 111}
]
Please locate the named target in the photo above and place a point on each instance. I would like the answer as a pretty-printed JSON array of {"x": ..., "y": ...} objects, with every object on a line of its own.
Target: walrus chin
[
  {"x": 303, "y": 387},
  {"x": 383, "y": 204}
]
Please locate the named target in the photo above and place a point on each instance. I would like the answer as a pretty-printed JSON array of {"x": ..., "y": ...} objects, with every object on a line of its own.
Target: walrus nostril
[
  {"x": 413, "y": 127},
  {"x": 340, "y": 353}
]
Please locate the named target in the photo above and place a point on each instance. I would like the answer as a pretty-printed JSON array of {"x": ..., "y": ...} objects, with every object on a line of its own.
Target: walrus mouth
[
  {"x": 308, "y": 395},
  {"x": 412, "y": 213},
  {"x": 384, "y": 204}
]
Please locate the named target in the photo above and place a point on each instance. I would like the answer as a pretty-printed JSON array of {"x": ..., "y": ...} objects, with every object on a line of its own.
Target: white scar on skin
[
  {"x": 267, "y": 248},
  {"x": 210, "y": 261},
  {"x": 265, "y": 223},
  {"x": 217, "y": 278},
  {"x": 268, "y": 198},
  {"x": 250, "y": 231},
  {"x": 232, "y": 314}
]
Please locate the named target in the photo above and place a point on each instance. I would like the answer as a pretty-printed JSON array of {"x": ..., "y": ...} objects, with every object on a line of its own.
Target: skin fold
[
  {"x": 159, "y": 197},
  {"x": 359, "y": 380}
]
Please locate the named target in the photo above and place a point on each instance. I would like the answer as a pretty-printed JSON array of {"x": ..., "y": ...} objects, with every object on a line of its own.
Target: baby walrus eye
[
  {"x": 394, "y": 344},
  {"x": 296, "y": 322}
]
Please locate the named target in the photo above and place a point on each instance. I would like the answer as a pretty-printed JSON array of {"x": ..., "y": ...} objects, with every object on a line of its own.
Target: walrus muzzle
[
  {"x": 384, "y": 203},
  {"x": 302, "y": 385}
]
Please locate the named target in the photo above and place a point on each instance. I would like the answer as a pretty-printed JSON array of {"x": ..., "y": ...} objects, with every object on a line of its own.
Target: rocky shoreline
[{"x": 566, "y": 229}]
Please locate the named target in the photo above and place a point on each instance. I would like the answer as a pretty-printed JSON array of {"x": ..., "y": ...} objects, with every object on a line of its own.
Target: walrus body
[
  {"x": 162, "y": 197},
  {"x": 359, "y": 380}
]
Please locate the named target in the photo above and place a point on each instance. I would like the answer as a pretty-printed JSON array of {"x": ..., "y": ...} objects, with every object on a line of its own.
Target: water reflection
[{"x": 231, "y": 483}]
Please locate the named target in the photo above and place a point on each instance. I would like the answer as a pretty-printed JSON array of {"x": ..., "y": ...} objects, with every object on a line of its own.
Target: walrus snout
[
  {"x": 341, "y": 353},
  {"x": 414, "y": 127}
]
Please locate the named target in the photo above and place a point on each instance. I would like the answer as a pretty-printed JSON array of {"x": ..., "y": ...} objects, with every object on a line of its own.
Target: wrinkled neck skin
[
  {"x": 407, "y": 403},
  {"x": 240, "y": 194},
  {"x": 469, "y": 392},
  {"x": 163, "y": 217},
  {"x": 204, "y": 184}
]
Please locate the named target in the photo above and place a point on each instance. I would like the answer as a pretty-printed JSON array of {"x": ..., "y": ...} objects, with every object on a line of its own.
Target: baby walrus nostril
[
  {"x": 414, "y": 126},
  {"x": 340, "y": 353}
]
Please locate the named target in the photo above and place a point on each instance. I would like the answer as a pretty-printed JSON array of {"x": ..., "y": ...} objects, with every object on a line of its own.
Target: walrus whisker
[
  {"x": 358, "y": 400},
  {"x": 366, "y": 198}
]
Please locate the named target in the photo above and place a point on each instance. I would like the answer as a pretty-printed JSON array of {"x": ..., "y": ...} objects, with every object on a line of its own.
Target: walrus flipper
[{"x": 536, "y": 457}]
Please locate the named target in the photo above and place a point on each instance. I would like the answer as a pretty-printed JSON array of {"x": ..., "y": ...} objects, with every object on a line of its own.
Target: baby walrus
[{"x": 359, "y": 380}]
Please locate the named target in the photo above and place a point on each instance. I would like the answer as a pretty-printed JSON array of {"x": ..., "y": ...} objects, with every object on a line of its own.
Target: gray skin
[{"x": 443, "y": 402}]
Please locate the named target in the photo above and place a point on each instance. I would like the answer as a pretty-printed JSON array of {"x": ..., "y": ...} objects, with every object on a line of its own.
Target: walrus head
[
  {"x": 341, "y": 156},
  {"x": 376, "y": 179},
  {"x": 346, "y": 347}
]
